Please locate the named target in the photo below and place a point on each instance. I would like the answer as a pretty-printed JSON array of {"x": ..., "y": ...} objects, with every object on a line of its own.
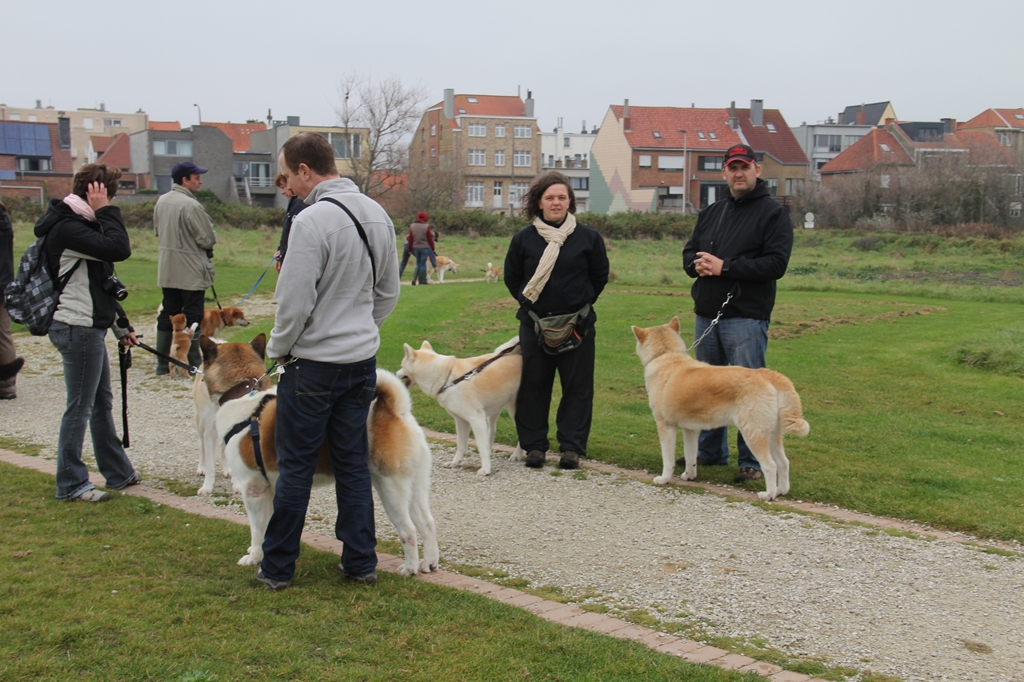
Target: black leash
[
  {"x": 124, "y": 359},
  {"x": 174, "y": 361},
  {"x": 728, "y": 297},
  {"x": 479, "y": 368},
  {"x": 253, "y": 424},
  {"x": 217, "y": 301}
]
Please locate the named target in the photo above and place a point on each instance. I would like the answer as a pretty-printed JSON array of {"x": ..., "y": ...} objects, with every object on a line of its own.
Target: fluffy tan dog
[
  {"x": 493, "y": 273},
  {"x": 444, "y": 265},
  {"x": 692, "y": 395},
  {"x": 180, "y": 343},
  {"x": 215, "y": 320}
]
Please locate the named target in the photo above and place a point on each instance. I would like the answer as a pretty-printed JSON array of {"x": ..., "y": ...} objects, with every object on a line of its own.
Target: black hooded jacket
[
  {"x": 754, "y": 238},
  {"x": 98, "y": 244}
]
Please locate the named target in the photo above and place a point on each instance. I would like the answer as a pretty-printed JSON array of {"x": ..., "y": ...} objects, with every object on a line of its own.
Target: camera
[{"x": 115, "y": 287}]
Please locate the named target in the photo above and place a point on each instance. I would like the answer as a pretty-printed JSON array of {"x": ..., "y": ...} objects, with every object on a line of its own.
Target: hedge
[{"x": 632, "y": 225}]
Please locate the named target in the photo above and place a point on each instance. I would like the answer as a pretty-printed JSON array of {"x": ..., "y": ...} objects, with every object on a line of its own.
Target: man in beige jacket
[{"x": 184, "y": 269}]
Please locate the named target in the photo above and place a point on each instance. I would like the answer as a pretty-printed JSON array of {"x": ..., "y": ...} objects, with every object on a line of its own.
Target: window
[
  {"x": 770, "y": 126},
  {"x": 516, "y": 192},
  {"x": 112, "y": 123},
  {"x": 830, "y": 143},
  {"x": 472, "y": 100},
  {"x": 499, "y": 157},
  {"x": 701, "y": 135},
  {"x": 259, "y": 175},
  {"x": 33, "y": 165},
  {"x": 819, "y": 163},
  {"x": 645, "y": 161},
  {"x": 578, "y": 161},
  {"x": 670, "y": 163},
  {"x": 433, "y": 152},
  {"x": 792, "y": 185},
  {"x": 346, "y": 145},
  {"x": 433, "y": 130},
  {"x": 478, "y": 130},
  {"x": 523, "y": 131},
  {"x": 1006, "y": 139},
  {"x": 1015, "y": 208},
  {"x": 565, "y": 142},
  {"x": 126, "y": 185},
  {"x": 32, "y": 118},
  {"x": 14, "y": 117},
  {"x": 580, "y": 183},
  {"x": 883, "y": 180},
  {"x": 884, "y": 146},
  {"x": 709, "y": 163},
  {"x": 713, "y": 136},
  {"x": 850, "y": 139},
  {"x": 773, "y": 186},
  {"x": 657, "y": 135},
  {"x": 475, "y": 194},
  {"x": 1019, "y": 185},
  {"x": 172, "y": 147},
  {"x": 87, "y": 123},
  {"x": 1020, "y": 117},
  {"x": 521, "y": 158},
  {"x": 477, "y": 157},
  {"x": 462, "y": 111},
  {"x": 499, "y": 130}
]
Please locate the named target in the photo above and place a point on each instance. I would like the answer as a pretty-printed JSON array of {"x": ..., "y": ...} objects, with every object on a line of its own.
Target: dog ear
[
  {"x": 259, "y": 344},
  {"x": 409, "y": 352},
  {"x": 426, "y": 346},
  {"x": 674, "y": 324},
  {"x": 639, "y": 333},
  {"x": 209, "y": 348}
]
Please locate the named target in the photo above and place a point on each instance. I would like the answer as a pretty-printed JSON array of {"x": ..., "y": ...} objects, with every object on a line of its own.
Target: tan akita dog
[
  {"x": 444, "y": 265},
  {"x": 475, "y": 402},
  {"x": 692, "y": 395}
]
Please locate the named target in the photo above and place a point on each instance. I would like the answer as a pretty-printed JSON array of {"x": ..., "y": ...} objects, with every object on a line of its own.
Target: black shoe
[
  {"x": 535, "y": 459},
  {"x": 748, "y": 474},
  {"x": 11, "y": 369},
  {"x": 365, "y": 579},
  {"x": 569, "y": 460},
  {"x": 271, "y": 584}
]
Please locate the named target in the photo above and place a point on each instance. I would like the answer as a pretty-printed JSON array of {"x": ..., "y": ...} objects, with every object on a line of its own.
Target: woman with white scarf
[
  {"x": 555, "y": 267},
  {"x": 85, "y": 235}
]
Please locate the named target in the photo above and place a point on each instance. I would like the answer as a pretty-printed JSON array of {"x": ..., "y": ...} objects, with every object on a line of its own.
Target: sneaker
[
  {"x": 8, "y": 396},
  {"x": 365, "y": 579},
  {"x": 270, "y": 583},
  {"x": 92, "y": 495},
  {"x": 134, "y": 480},
  {"x": 535, "y": 459},
  {"x": 569, "y": 460},
  {"x": 748, "y": 474}
]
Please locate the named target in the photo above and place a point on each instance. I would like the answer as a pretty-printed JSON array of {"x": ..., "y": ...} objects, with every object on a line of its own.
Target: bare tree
[{"x": 389, "y": 111}]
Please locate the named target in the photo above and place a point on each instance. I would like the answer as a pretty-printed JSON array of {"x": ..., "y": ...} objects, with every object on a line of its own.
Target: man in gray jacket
[
  {"x": 337, "y": 286},
  {"x": 184, "y": 269}
]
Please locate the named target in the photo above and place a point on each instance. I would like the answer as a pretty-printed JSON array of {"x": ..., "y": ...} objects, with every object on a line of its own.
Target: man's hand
[
  {"x": 707, "y": 265},
  {"x": 277, "y": 261},
  {"x": 128, "y": 340},
  {"x": 96, "y": 195}
]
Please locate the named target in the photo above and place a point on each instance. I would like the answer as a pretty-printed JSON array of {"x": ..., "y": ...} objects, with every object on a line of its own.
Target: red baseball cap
[{"x": 739, "y": 152}]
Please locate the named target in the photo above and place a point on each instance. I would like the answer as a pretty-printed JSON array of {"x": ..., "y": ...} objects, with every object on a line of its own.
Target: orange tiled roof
[
  {"x": 996, "y": 118},
  {"x": 668, "y": 122},
  {"x": 780, "y": 144},
  {"x": 172, "y": 126},
  {"x": 100, "y": 143},
  {"x": 867, "y": 152},
  {"x": 239, "y": 133},
  {"x": 485, "y": 105},
  {"x": 116, "y": 153}
]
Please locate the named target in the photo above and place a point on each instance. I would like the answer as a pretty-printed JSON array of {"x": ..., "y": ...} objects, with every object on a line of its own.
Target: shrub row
[{"x": 632, "y": 225}]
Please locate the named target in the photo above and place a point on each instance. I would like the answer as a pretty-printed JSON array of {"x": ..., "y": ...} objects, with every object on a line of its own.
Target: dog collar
[{"x": 238, "y": 390}]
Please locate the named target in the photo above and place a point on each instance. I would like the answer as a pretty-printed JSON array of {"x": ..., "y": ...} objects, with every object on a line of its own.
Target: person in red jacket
[{"x": 421, "y": 244}]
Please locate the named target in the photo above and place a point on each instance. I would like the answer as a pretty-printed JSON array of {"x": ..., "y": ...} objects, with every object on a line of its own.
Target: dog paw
[
  {"x": 250, "y": 560},
  {"x": 427, "y": 567},
  {"x": 766, "y": 496},
  {"x": 205, "y": 491},
  {"x": 483, "y": 472},
  {"x": 448, "y": 465},
  {"x": 690, "y": 475},
  {"x": 407, "y": 570},
  {"x": 662, "y": 480}
]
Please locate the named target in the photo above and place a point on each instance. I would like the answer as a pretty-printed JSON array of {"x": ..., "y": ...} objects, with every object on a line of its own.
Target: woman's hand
[
  {"x": 96, "y": 195},
  {"x": 128, "y": 340}
]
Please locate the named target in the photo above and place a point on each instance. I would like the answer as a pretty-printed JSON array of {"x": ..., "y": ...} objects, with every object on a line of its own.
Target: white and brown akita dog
[
  {"x": 474, "y": 399},
  {"x": 692, "y": 395},
  {"x": 399, "y": 454}
]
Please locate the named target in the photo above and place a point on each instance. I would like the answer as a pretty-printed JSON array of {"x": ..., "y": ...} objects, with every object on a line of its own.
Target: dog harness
[
  {"x": 253, "y": 424},
  {"x": 479, "y": 368}
]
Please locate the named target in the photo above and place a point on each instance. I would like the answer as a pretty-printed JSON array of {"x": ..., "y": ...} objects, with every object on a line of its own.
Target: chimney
[
  {"x": 39, "y": 104},
  {"x": 529, "y": 105},
  {"x": 449, "y": 103},
  {"x": 862, "y": 116},
  {"x": 584, "y": 130},
  {"x": 757, "y": 112},
  {"x": 103, "y": 107},
  {"x": 948, "y": 126},
  {"x": 625, "y": 117},
  {"x": 270, "y": 119},
  {"x": 734, "y": 122},
  {"x": 559, "y": 123}
]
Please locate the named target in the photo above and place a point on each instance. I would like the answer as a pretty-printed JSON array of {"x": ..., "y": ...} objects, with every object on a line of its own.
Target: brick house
[
  {"x": 491, "y": 143},
  {"x": 1006, "y": 125},
  {"x": 35, "y": 160}
]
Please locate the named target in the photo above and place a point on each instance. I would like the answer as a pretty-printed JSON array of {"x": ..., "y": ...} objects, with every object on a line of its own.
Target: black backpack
[{"x": 31, "y": 298}]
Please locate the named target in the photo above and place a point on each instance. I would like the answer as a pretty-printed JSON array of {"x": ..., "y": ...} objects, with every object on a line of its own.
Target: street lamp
[
  {"x": 686, "y": 171},
  {"x": 200, "y": 113}
]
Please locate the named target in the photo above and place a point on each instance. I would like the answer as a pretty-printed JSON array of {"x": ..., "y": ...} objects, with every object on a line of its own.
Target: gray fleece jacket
[{"x": 328, "y": 308}]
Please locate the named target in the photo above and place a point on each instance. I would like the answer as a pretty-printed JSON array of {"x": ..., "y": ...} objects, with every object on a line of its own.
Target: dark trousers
[
  {"x": 533, "y": 403},
  {"x": 181, "y": 301},
  {"x": 318, "y": 401},
  {"x": 420, "y": 274}
]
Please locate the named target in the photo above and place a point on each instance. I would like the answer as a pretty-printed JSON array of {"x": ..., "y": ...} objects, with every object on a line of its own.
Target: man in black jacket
[{"x": 740, "y": 246}]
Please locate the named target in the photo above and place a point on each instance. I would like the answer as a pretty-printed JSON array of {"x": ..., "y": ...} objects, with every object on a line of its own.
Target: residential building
[
  {"x": 1006, "y": 125},
  {"x": 82, "y": 124},
  {"x": 569, "y": 153},
  {"x": 874, "y": 114},
  {"x": 347, "y": 142},
  {"x": 115, "y": 152},
  {"x": 35, "y": 160},
  {"x": 825, "y": 140},
  {"x": 670, "y": 158},
  {"x": 491, "y": 143}
]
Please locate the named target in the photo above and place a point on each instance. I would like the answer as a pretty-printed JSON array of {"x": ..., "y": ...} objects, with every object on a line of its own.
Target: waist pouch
[{"x": 558, "y": 334}]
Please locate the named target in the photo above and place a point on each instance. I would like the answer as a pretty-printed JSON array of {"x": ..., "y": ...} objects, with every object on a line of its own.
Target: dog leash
[
  {"x": 260, "y": 279},
  {"x": 174, "y": 361},
  {"x": 728, "y": 297},
  {"x": 476, "y": 370},
  {"x": 124, "y": 359}
]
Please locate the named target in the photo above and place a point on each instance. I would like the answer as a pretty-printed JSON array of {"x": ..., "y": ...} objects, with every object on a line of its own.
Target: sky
[{"x": 237, "y": 60}]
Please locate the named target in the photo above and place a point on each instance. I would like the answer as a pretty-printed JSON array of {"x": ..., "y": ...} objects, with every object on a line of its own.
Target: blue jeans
[
  {"x": 738, "y": 341},
  {"x": 421, "y": 265},
  {"x": 318, "y": 401},
  {"x": 89, "y": 401}
]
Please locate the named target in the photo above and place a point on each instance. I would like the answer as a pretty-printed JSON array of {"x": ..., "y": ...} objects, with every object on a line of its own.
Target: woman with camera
[{"x": 85, "y": 236}]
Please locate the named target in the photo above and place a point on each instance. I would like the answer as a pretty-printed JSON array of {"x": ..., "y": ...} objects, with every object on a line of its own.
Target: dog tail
[
  {"x": 392, "y": 395},
  {"x": 791, "y": 412},
  {"x": 511, "y": 342}
]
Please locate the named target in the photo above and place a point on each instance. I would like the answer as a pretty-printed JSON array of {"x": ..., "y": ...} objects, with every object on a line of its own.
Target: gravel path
[{"x": 853, "y": 596}]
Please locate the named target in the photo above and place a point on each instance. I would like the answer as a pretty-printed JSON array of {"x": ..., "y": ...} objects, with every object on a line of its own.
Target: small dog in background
[
  {"x": 216, "y": 320},
  {"x": 180, "y": 343},
  {"x": 493, "y": 273}
]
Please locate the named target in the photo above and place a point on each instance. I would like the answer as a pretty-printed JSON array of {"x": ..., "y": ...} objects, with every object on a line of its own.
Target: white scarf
[
  {"x": 81, "y": 207},
  {"x": 555, "y": 237}
]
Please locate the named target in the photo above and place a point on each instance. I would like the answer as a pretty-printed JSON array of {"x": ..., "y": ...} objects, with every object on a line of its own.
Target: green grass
[{"x": 133, "y": 590}]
